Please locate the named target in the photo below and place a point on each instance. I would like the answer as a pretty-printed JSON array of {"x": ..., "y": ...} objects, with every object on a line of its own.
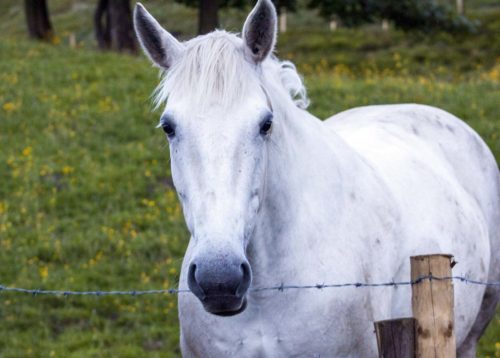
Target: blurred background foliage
[{"x": 86, "y": 198}]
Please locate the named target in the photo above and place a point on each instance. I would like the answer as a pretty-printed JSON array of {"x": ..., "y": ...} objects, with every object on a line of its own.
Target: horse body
[
  {"x": 447, "y": 186},
  {"x": 272, "y": 195},
  {"x": 401, "y": 197}
]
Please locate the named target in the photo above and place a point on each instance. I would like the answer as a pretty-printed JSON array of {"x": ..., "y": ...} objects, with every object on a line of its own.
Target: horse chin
[{"x": 225, "y": 306}]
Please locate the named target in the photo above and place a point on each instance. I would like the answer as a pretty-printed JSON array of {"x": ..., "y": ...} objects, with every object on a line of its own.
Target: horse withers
[{"x": 273, "y": 195}]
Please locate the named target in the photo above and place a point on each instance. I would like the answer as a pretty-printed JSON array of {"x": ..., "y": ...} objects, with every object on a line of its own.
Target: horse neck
[{"x": 311, "y": 170}]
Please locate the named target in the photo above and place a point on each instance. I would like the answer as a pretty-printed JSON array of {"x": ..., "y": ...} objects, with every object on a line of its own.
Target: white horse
[{"x": 273, "y": 195}]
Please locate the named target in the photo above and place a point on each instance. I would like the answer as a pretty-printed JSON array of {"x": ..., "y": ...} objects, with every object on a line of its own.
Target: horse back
[{"x": 435, "y": 139}]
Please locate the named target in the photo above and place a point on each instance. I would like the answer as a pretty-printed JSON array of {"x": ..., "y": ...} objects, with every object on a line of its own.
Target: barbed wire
[{"x": 282, "y": 287}]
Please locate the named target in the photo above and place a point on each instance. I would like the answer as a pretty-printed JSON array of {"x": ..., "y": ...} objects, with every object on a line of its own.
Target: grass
[
  {"x": 86, "y": 199},
  {"x": 85, "y": 202}
]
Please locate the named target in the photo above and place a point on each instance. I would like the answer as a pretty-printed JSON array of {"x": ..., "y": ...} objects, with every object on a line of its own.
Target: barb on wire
[{"x": 282, "y": 287}]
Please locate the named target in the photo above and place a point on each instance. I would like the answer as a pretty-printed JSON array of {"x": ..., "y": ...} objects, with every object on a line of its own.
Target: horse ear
[
  {"x": 158, "y": 44},
  {"x": 259, "y": 31}
]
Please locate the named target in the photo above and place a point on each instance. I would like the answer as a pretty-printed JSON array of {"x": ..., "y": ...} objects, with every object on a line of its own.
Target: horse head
[{"x": 219, "y": 121}]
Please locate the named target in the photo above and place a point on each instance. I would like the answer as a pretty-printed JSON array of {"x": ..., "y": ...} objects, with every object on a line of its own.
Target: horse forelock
[{"x": 213, "y": 69}]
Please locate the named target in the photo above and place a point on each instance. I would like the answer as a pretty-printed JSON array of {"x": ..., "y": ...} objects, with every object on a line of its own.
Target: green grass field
[{"x": 86, "y": 200}]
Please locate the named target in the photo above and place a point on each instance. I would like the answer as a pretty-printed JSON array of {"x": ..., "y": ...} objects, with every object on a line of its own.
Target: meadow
[{"x": 86, "y": 198}]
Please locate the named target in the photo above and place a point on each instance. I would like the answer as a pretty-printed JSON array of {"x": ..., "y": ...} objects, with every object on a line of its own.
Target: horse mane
[{"x": 213, "y": 68}]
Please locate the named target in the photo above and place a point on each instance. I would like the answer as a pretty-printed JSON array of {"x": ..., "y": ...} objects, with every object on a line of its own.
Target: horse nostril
[
  {"x": 208, "y": 279},
  {"x": 194, "y": 286},
  {"x": 245, "y": 280}
]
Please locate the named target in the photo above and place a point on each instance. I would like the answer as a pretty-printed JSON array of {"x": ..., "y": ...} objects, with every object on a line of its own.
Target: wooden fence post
[
  {"x": 396, "y": 338},
  {"x": 282, "y": 20},
  {"x": 432, "y": 304}
]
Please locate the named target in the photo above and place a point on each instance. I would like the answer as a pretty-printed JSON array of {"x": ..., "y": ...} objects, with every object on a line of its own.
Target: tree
[
  {"x": 424, "y": 15},
  {"x": 37, "y": 19},
  {"x": 208, "y": 10},
  {"x": 351, "y": 12},
  {"x": 208, "y": 17},
  {"x": 113, "y": 25}
]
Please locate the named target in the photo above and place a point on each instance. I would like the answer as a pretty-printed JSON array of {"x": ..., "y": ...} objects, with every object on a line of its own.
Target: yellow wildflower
[
  {"x": 149, "y": 203},
  {"x": 145, "y": 278},
  {"x": 9, "y": 107},
  {"x": 27, "y": 151},
  {"x": 44, "y": 272},
  {"x": 67, "y": 170},
  {"x": 107, "y": 105},
  {"x": 494, "y": 74}
]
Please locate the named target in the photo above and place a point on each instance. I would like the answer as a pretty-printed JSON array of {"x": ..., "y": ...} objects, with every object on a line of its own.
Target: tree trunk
[
  {"x": 122, "y": 29},
  {"x": 37, "y": 19},
  {"x": 208, "y": 16},
  {"x": 101, "y": 25},
  {"x": 113, "y": 25}
]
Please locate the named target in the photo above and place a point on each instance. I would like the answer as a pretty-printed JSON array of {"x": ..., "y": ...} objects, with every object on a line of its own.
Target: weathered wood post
[
  {"x": 432, "y": 304},
  {"x": 396, "y": 338},
  {"x": 282, "y": 20},
  {"x": 72, "y": 40}
]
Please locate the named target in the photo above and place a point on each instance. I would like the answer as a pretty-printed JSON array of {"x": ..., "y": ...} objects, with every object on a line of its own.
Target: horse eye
[
  {"x": 266, "y": 125},
  {"x": 169, "y": 129}
]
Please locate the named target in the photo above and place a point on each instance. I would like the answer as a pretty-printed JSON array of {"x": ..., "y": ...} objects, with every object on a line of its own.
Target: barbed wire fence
[{"x": 281, "y": 287}]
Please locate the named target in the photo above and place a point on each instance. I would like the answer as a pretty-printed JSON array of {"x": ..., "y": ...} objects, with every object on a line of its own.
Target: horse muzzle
[{"x": 220, "y": 284}]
